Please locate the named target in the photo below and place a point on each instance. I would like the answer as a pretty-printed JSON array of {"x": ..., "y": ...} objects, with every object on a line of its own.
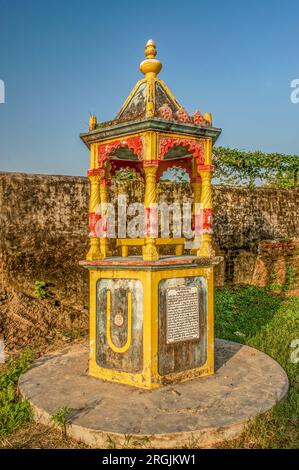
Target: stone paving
[{"x": 199, "y": 412}]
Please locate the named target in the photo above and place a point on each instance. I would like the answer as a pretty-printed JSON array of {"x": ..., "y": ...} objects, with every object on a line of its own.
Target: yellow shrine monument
[
  {"x": 152, "y": 313},
  {"x": 151, "y": 316}
]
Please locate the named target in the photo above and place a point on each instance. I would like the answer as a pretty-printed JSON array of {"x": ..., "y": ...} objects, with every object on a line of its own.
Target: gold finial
[
  {"x": 150, "y": 65},
  {"x": 150, "y": 49},
  {"x": 92, "y": 122},
  {"x": 208, "y": 117}
]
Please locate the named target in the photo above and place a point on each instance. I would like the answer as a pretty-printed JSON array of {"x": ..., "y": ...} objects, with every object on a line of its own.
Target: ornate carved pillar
[
  {"x": 150, "y": 166},
  {"x": 94, "y": 251},
  {"x": 206, "y": 249},
  {"x": 104, "y": 213},
  {"x": 97, "y": 209},
  {"x": 149, "y": 251},
  {"x": 196, "y": 213}
]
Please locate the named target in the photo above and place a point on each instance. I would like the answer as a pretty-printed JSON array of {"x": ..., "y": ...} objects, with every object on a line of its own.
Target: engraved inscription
[{"x": 182, "y": 308}]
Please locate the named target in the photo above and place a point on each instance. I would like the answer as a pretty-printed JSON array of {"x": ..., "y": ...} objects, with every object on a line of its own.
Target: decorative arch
[
  {"x": 193, "y": 146},
  {"x": 133, "y": 143},
  {"x": 183, "y": 163},
  {"x": 116, "y": 165}
]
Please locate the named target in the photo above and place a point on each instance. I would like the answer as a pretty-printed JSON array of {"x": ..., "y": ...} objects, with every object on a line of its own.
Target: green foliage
[
  {"x": 273, "y": 285},
  {"x": 243, "y": 310},
  {"x": 61, "y": 417},
  {"x": 236, "y": 167},
  {"x": 124, "y": 174},
  {"x": 100, "y": 125},
  {"x": 41, "y": 290},
  {"x": 175, "y": 174},
  {"x": 14, "y": 412},
  {"x": 289, "y": 282},
  {"x": 270, "y": 324},
  {"x": 291, "y": 277}
]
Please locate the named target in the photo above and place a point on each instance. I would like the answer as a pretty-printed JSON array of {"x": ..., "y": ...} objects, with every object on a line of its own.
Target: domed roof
[{"x": 151, "y": 105}]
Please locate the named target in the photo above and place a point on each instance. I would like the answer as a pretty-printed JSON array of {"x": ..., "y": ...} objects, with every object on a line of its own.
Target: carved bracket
[
  {"x": 96, "y": 172},
  {"x": 209, "y": 168},
  {"x": 193, "y": 146},
  {"x": 132, "y": 143}
]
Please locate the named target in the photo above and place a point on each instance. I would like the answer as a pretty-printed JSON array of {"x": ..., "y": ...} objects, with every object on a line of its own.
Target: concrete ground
[{"x": 197, "y": 413}]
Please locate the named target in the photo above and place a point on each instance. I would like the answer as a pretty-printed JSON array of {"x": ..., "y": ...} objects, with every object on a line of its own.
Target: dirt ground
[
  {"x": 41, "y": 325},
  {"x": 37, "y": 436}
]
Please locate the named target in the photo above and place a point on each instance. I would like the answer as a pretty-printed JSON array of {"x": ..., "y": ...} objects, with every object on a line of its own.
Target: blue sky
[{"x": 64, "y": 59}]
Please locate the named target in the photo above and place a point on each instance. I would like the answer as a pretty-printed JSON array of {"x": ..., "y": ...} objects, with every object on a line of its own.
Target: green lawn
[
  {"x": 252, "y": 316},
  {"x": 249, "y": 315}
]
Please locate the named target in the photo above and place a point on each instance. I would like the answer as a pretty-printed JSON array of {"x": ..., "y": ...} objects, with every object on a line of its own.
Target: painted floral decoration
[
  {"x": 182, "y": 115},
  {"x": 165, "y": 111},
  {"x": 198, "y": 118}
]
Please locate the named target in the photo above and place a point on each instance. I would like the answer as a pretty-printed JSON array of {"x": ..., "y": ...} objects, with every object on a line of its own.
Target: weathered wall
[
  {"x": 244, "y": 219},
  {"x": 44, "y": 230},
  {"x": 44, "y": 233}
]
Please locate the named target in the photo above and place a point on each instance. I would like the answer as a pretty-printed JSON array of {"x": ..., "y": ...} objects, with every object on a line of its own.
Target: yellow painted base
[{"x": 149, "y": 377}]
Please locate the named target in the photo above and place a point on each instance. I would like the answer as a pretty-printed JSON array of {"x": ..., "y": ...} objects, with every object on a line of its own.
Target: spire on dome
[
  {"x": 151, "y": 98},
  {"x": 151, "y": 107},
  {"x": 150, "y": 65}
]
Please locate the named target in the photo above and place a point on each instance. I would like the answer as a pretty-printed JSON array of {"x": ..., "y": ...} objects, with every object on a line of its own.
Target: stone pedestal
[
  {"x": 151, "y": 322},
  {"x": 196, "y": 413}
]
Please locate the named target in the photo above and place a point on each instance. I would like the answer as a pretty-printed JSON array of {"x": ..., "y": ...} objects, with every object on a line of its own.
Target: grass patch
[
  {"x": 14, "y": 412},
  {"x": 61, "y": 418},
  {"x": 38, "y": 436},
  {"x": 252, "y": 316},
  {"x": 41, "y": 290}
]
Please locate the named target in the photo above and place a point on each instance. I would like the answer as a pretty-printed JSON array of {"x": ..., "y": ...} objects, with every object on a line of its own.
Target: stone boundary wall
[{"x": 43, "y": 223}]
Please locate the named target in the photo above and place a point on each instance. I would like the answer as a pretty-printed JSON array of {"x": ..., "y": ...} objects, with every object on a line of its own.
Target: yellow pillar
[
  {"x": 104, "y": 213},
  {"x": 196, "y": 186},
  {"x": 94, "y": 251},
  {"x": 206, "y": 248},
  {"x": 98, "y": 195},
  {"x": 149, "y": 250},
  {"x": 150, "y": 166},
  {"x": 205, "y": 173}
]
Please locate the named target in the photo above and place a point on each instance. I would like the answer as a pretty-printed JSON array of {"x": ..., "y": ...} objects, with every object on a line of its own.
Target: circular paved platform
[{"x": 199, "y": 412}]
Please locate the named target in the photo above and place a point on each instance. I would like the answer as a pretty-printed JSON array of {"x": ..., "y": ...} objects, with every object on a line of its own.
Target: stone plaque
[{"x": 182, "y": 313}]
